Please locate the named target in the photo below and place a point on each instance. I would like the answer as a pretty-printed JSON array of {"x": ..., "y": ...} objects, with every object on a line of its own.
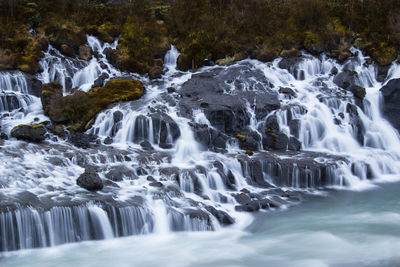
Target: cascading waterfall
[{"x": 173, "y": 168}]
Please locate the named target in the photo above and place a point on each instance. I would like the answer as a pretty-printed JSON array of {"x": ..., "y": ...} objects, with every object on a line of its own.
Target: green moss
[
  {"x": 77, "y": 109},
  {"x": 241, "y": 137}
]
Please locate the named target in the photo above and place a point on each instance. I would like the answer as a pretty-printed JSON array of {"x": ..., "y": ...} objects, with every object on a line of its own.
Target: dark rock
[
  {"x": 250, "y": 141},
  {"x": 165, "y": 129},
  {"x": 117, "y": 116},
  {"x": 358, "y": 91},
  {"x": 356, "y": 123},
  {"x": 146, "y": 145},
  {"x": 155, "y": 72},
  {"x": 271, "y": 124},
  {"x": 287, "y": 91},
  {"x": 226, "y": 109},
  {"x": 250, "y": 206},
  {"x": 209, "y": 137},
  {"x": 141, "y": 171},
  {"x": 221, "y": 216},
  {"x": 3, "y": 136},
  {"x": 294, "y": 144},
  {"x": 100, "y": 80},
  {"x": 85, "y": 52},
  {"x": 56, "y": 161},
  {"x": 117, "y": 173},
  {"x": 33, "y": 132},
  {"x": 294, "y": 126},
  {"x": 110, "y": 183},
  {"x": 108, "y": 140},
  {"x": 242, "y": 198},
  {"x": 391, "y": 102},
  {"x": 346, "y": 78},
  {"x": 90, "y": 180},
  {"x": 273, "y": 140},
  {"x": 171, "y": 90},
  {"x": 81, "y": 140},
  {"x": 156, "y": 184},
  {"x": 334, "y": 71}
]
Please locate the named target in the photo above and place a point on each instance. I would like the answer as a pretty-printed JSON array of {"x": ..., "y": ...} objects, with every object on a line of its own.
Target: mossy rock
[
  {"x": 32, "y": 132},
  {"x": 78, "y": 109}
]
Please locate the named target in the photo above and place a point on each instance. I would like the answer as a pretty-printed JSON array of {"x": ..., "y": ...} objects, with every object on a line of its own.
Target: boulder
[
  {"x": 85, "y": 52},
  {"x": 294, "y": 144},
  {"x": 33, "y": 132},
  {"x": 90, "y": 180},
  {"x": 391, "y": 102}
]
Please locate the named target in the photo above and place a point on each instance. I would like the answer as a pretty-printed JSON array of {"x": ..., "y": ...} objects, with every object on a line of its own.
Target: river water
[{"x": 340, "y": 228}]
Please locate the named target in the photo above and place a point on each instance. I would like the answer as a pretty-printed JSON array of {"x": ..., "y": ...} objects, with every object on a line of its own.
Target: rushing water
[
  {"x": 171, "y": 164},
  {"x": 343, "y": 229}
]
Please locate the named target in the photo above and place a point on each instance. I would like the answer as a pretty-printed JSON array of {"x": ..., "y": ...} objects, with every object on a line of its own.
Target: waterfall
[{"x": 195, "y": 152}]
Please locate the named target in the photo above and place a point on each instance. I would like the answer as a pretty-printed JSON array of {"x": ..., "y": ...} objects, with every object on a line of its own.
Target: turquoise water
[{"x": 344, "y": 228}]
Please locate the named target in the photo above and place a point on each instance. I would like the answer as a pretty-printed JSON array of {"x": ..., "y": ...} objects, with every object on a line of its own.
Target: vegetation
[
  {"x": 207, "y": 30},
  {"x": 78, "y": 109}
]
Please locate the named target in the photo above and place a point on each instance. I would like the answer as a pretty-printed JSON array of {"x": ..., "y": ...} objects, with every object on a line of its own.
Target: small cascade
[
  {"x": 170, "y": 59},
  {"x": 73, "y": 73}
]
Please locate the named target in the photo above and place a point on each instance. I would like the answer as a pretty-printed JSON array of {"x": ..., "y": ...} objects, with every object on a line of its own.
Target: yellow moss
[{"x": 241, "y": 136}]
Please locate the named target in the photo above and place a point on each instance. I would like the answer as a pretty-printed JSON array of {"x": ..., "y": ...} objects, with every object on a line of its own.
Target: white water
[{"x": 162, "y": 212}]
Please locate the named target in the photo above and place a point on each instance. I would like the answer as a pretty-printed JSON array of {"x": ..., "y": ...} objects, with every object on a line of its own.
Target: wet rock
[
  {"x": 156, "y": 184},
  {"x": 90, "y": 180},
  {"x": 288, "y": 92},
  {"x": 141, "y": 171},
  {"x": 3, "y": 136},
  {"x": 33, "y": 132},
  {"x": 391, "y": 102},
  {"x": 117, "y": 173},
  {"x": 276, "y": 141},
  {"x": 56, "y": 161},
  {"x": 117, "y": 116},
  {"x": 292, "y": 65},
  {"x": 221, "y": 216},
  {"x": 85, "y": 52},
  {"x": 209, "y": 137},
  {"x": 271, "y": 123},
  {"x": 250, "y": 141},
  {"x": 294, "y": 126},
  {"x": 165, "y": 129},
  {"x": 225, "y": 108},
  {"x": 110, "y": 183},
  {"x": 155, "y": 72},
  {"x": 81, "y": 140},
  {"x": 171, "y": 90},
  {"x": 146, "y": 145},
  {"x": 171, "y": 172},
  {"x": 294, "y": 144},
  {"x": 100, "y": 80},
  {"x": 242, "y": 198},
  {"x": 346, "y": 79},
  {"x": 250, "y": 206},
  {"x": 356, "y": 123},
  {"x": 358, "y": 91},
  {"x": 228, "y": 178},
  {"x": 108, "y": 140}
]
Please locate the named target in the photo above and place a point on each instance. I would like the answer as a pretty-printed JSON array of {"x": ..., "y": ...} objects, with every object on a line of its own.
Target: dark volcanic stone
[
  {"x": 117, "y": 173},
  {"x": 90, "y": 180},
  {"x": 33, "y": 133},
  {"x": 117, "y": 116},
  {"x": 391, "y": 102}
]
